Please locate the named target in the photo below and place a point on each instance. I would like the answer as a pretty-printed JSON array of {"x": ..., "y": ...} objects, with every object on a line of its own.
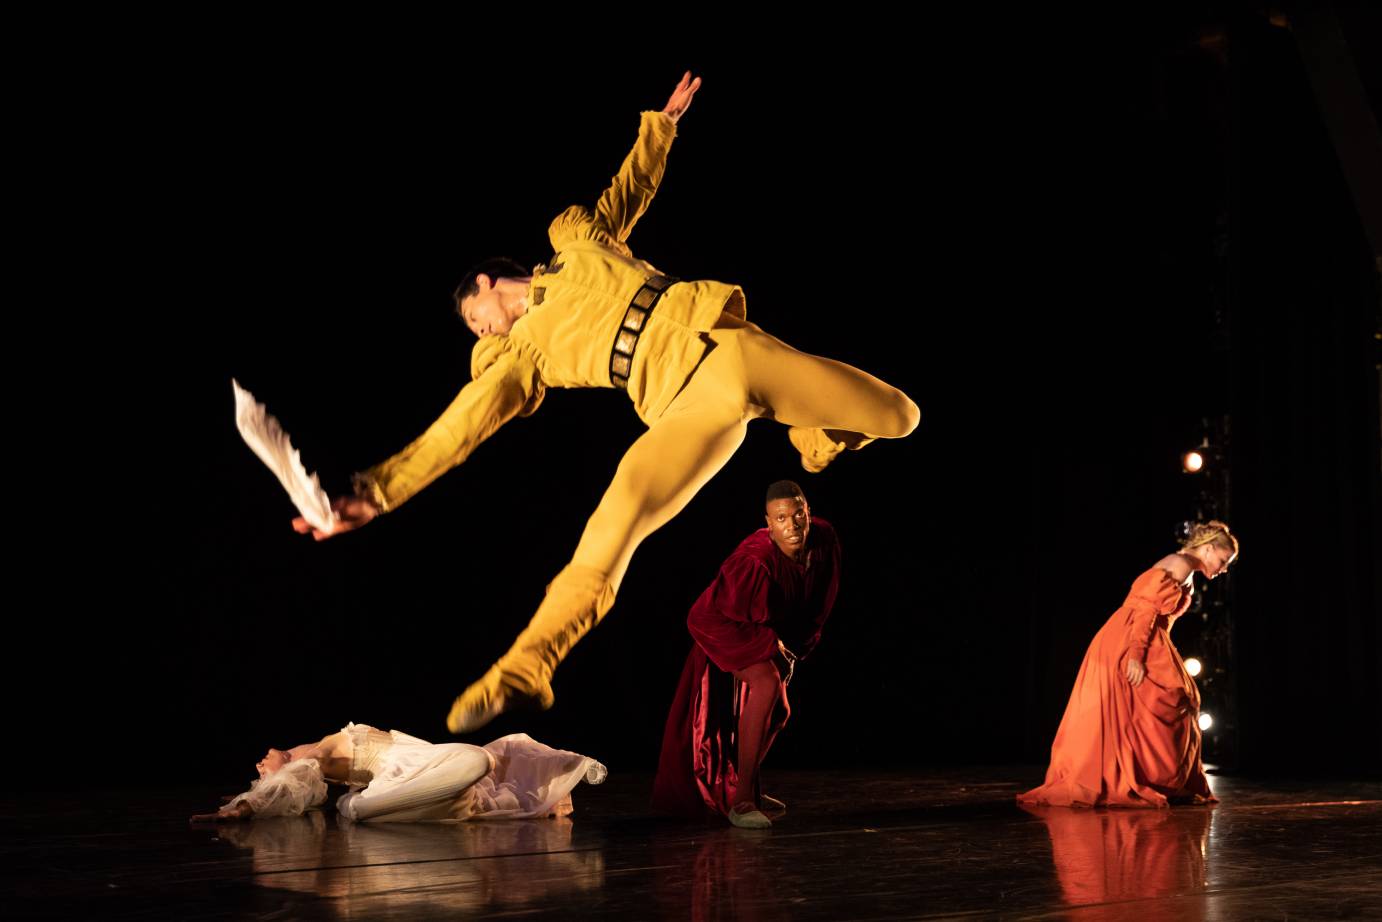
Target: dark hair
[
  {"x": 783, "y": 489},
  {"x": 495, "y": 267}
]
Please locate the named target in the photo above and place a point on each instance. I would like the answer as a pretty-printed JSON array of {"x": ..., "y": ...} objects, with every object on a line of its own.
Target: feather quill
[{"x": 266, "y": 438}]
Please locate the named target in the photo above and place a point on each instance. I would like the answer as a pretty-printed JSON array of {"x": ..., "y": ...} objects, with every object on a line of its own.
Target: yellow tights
[{"x": 746, "y": 375}]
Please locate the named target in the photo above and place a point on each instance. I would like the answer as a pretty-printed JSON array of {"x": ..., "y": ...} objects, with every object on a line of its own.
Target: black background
[{"x": 1068, "y": 241}]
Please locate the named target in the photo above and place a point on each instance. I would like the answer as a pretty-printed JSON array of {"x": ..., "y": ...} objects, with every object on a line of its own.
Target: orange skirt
[{"x": 1124, "y": 746}]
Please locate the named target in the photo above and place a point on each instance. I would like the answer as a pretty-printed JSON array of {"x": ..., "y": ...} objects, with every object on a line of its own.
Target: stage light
[
  {"x": 1205, "y": 721},
  {"x": 1193, "y": 666},
  {"x": 1192, "y": 462}
]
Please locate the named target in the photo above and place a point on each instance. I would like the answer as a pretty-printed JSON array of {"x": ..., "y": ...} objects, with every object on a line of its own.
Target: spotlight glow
[
  {"x": 1205, "y": 721},
  {"x": 1193, "y": 666},
  {"x": 1192, "y": 461}
]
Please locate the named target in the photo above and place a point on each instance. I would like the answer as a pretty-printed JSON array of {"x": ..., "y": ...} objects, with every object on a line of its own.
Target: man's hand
[
  {"x": 787, "y": 662},
  {"x": 351, "y": 513},
  {"x": 681, "y": 97},
  {"x": 1135, "y": 672}
]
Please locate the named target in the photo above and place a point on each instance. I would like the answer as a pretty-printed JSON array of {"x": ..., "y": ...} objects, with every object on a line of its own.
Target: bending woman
[
  {"x": 1130, "y": 736},
  {"x": 397, "y": 778}
]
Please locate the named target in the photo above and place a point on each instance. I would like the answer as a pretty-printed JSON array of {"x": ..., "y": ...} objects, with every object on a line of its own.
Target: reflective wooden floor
[{"x": 948, "y": 844}]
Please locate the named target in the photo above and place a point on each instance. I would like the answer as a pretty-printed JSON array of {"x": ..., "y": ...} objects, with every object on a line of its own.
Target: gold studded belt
[{"x": 635, "y": 319}]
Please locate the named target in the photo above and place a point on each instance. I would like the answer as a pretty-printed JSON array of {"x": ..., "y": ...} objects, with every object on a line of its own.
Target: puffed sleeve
[
  {"x": 1153, "y": 593},
  {"x": 730, "y": 619},
  {"x": 629, "y": 193},
  {"x": 506, "y": 383}
]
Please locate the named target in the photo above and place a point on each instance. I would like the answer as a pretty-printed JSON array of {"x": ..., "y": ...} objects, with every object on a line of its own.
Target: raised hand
[{"x": 681, "y": 96}]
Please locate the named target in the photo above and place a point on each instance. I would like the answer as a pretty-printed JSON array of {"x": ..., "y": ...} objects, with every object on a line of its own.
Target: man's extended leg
[
  {"x": 746, "y": 375},
  {"x": 657, "y": 477}
]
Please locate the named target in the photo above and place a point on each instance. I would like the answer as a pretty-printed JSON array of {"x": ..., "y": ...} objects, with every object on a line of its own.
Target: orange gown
[{"x": 1123, "y": 746}]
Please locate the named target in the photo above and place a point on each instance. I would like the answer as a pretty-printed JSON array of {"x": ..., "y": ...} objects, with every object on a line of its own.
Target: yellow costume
[{"x": 698, "y": 375}]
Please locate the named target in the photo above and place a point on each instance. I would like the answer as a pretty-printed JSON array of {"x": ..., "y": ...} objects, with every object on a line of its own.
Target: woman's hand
[
  {"x": 681, "y": 97},
  {"x": 241, "y": 811},
  {"x": 1135, "y": 672},
  {"x": 352, "y": 512}
]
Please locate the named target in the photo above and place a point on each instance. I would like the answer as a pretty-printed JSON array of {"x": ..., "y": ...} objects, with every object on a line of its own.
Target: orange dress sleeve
[{"x": 1154, "y": 593}]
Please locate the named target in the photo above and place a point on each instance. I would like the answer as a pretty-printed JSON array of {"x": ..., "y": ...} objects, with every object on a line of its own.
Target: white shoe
[{"x": 749, "y": 819}]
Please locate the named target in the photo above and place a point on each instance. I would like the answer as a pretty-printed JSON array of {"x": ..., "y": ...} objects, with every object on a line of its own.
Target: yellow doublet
[
  {"x": 700, "y": 373},
  {"x": 575, "y": 307}
]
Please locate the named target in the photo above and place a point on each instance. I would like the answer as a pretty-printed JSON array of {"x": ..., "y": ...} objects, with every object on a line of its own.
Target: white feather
[{"x": 266, "y": 438}]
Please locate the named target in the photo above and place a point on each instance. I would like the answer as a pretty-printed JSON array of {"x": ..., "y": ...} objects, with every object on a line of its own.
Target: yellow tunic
[{"x": 575, "y": 306}]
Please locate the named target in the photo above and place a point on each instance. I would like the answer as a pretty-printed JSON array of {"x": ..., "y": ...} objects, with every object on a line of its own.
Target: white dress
[{"x": 397, "y": 778}]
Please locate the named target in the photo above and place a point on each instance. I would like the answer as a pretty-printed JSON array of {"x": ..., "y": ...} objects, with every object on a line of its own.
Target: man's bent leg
[
  {"x": 763, "y": 691},
  {"x": 830, "y": 406}
]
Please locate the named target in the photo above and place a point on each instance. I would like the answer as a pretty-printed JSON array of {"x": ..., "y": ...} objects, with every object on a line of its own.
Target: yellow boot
[
  {"x": 575, "y": 602},
  {"x": 819, "y": 447}
]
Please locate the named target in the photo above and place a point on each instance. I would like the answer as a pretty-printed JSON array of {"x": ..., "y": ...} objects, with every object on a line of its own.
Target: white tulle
[
  {"x": 291, "y": 791},
  {"x": 412, "y": 781},
  {"x": 514, "y": 777},
  {"x": 530, "y": 779}
]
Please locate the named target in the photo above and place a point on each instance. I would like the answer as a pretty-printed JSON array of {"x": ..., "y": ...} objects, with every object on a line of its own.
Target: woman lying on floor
[{"x": 397, "y": 778}]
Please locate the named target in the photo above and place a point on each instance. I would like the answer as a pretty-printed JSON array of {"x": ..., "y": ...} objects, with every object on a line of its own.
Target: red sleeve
[
  {"x": 741, "y": 590},
  {"x": 802, "y": 638},
  {"x": 730, "y": 619}
]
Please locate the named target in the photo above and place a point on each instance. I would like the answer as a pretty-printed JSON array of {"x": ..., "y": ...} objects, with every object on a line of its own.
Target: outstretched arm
[
  {"x": 632, "y": 189},
  {"x": 508, "y": 386},
  {"x": 237, "y": 811}
]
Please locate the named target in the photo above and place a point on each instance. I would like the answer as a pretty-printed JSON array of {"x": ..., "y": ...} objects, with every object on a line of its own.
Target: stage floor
[{"x": 853, "y": 845}]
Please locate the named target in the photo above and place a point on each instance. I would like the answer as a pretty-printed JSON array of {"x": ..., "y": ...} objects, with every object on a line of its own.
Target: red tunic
[{"x": 759, "y": 597}]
